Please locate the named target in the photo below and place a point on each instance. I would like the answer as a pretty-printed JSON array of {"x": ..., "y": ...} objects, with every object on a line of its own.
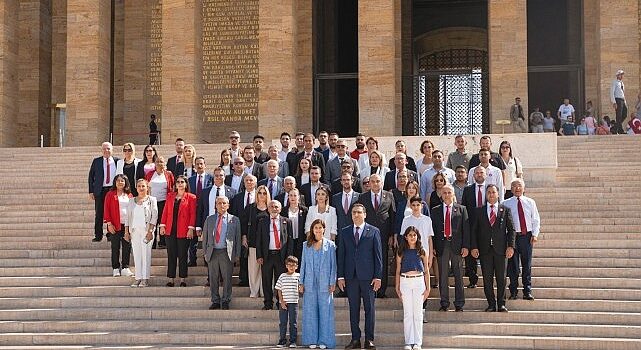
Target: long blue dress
[{"x": 317, "y": 274}]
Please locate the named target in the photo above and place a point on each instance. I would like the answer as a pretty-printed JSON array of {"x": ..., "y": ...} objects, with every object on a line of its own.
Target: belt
[
  {"x": 523, "y": 234},
  {"x": 274, "y": 252},
  {"x": 411, "y": 276}
]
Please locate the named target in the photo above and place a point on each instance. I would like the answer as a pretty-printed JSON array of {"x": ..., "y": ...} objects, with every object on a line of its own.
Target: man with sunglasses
[
  {"x": 334, "y": 170},
  {"x": 437, "y": 168},
  {"x": 234, "y": 144}
]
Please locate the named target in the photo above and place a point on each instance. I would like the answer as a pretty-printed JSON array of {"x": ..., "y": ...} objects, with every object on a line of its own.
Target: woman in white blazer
[
  {"x": 142, "y": 215},
  {"x": 128, "y": 164},
  {"x": 376, "y": 166},
  {"x": 322, "y": 210}
]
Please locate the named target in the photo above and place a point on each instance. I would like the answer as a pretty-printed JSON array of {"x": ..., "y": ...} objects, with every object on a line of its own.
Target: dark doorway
[
  {"x": 335, "y": 45},
  {"x": 555, "y": 60}
]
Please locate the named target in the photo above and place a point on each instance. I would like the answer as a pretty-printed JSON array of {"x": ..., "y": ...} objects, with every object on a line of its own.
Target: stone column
[
  {"x": 304, "y": 56},
  {"x": 277, "y": 78},
  {"x": 591, "y": 52},
  {"x": 8, "y": 72},
  {"x": 34, "y": 53},
  {"x": 88, "y": 70},
  {"x": 181, "y": 70},
  {"x": 378, "y": 97},
  {"x": 507, "y": 46},
  {"x": 618, "y": 49}
]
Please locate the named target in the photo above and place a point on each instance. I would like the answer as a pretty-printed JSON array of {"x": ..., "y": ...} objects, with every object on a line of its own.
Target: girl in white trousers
[
  {"x": 142, "y": 215},
  {"x": 412, "y": 285}
]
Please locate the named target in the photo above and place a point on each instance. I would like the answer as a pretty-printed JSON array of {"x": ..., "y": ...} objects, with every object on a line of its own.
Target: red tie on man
[
  {"x": 479, "y": 198},
  {"x": 219, "y": 228},
  {"x": 376, "y": 201},
  {"x": 346, "y": 204},
  {"x": 276, "y": 234},
  {"x": 448, "y": 223},
  {"x": 199, "y": 185},
  {"x": 521, "y": 216},
  {"x": 108, "y": 172},
  {"x": 492, "y": 215}
]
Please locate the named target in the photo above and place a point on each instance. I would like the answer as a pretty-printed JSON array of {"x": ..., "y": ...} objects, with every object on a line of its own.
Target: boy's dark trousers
[{"x": 284, "y": 315}]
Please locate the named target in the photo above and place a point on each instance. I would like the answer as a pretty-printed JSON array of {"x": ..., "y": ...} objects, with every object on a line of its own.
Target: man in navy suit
[
  {"x": 101, "y": 176},
  {"x": 360, "y": 270},
  {"x": 197, "y": 184},
  {"x": 272, "y": 181},
  {"x": 343, "y": 202}
]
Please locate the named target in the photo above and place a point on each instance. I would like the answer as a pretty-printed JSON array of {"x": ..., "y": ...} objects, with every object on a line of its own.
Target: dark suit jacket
[
  {"x": 180, "y": 169},
  {"x": 261, "y": 158},
  {"x": 334, "y": 168},
  {"x": 97, "y": 175},
  {"x": 383, "y": 218},
  {"x": 263, "y": 237},
  {"x": 202, "y": 209},
  {"x": 469, "y": 201},
  {"x": 460, "y": 228},
  {"x": 306, "y": 191},
  {"x": 501, "y": 235},
  {"x": 302, "y": 216},
  {"x": 495, "y": 159},
  {"x": 208, "y": 180},
  {"x": 411, "y": 164},
  {"x": 324, "y": 152},
  {"x": 279, "y": 185},
  {"x": 362, "y": 261},
  {"x": 171, "y": 165},
  {"x": 337, "y": 186},
  {"x": 229, "y": 178},
  {"x": 237, "y": 204},
  {"x": 318, "y": 160},
  {"x": 281, "y": 199},
  {"x": 258, "y": 171},
  {"x": 390, "y": 181},
  {"x": 292, "y": 161},
  {"x": 343, "y": 220}
]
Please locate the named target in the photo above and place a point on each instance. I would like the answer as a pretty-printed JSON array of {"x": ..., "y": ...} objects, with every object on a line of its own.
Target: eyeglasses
[
  {"x": 439, "y": 180},
  {"x": 180, "y": 182},
  {"x": 149, "y": 150},
  {"x": 233, "y": 137},
  {"x": 127, "y": 150},
  {"x": 261, "y": 192},
  {"x": 239, "y": 163}
]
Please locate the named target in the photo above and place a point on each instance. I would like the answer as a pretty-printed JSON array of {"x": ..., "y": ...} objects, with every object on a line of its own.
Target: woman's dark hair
[
  {"x": 415, "y": 184},
  {"x": 144, "y": 154},
  {"x": 231, "y": 161},
  {"x": 127, "y": 188},
  {"x": 327, "y": 195},
  {"x": 186, "y": 183},
  {"x": 506, "y": 143},
  {"x": 299, "y": 171},
  {"x": 403, "y": 245},
  {"x": 311, "y": 239}
]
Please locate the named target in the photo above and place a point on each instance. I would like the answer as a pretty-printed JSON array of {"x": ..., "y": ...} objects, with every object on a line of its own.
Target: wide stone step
[{"x": 580, "y": 244}]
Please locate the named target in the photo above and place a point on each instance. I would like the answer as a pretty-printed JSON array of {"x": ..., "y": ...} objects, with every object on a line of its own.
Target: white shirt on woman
[{"x": 329, "y": 216}]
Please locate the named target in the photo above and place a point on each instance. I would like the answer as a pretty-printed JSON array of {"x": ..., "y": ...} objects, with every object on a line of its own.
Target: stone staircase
[{"x": 56, "y": 289}]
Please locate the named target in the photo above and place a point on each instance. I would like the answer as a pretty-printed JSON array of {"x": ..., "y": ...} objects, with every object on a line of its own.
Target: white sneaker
[
  {"x": 143, "y": 284},
  {"x": 136, "y": 284},
  {"x": 416, "y": 347},
  {"x": 127, "y": 272},
  {"x": 116, "y": 273},
  {"x": 407, "y": 347},
  {"x": 292, "y": 345},
  {"x": 313, "y": 346},
  {"x": 323, "y": 346}
]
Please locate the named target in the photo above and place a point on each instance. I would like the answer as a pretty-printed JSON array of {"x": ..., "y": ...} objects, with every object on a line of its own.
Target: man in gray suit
[
  {"x": 221, "y": 243},
  {"x": 333, "y": 167}
]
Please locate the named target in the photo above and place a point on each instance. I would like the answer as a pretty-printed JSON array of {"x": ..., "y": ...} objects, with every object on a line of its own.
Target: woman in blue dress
[{"x": 317, "y": 284}]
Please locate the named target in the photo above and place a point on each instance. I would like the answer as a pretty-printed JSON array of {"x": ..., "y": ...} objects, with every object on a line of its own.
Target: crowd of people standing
[{"x": 323, "y": 222}]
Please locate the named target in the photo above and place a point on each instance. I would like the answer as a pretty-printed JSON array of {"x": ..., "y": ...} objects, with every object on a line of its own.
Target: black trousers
[
  {"x": 160, "y": 240},
  {"x": 243, "y": 275},
  {"x": 471, "y": 269},
  {"x": 177, "y": 250},
  {"x": 385, "y": 249},
  {"x": 272, "y": 267},
  {"x": 298, "y": 249},
  {"x": 621, "y": 114},
  {"x": 117, "y": 240},
  {"x": 99, "y": 206},
  {"x": 193, "y": 249},
  {"x": 494, "y": 265}
]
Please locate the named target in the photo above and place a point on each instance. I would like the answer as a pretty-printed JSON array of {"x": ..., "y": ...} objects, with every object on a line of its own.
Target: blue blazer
[
  {"x": 97, "y": 175},
  {"x": 208, "y": 180},
  {"x": 327, "y": 275},
  {"x": 363, "y": 261}
]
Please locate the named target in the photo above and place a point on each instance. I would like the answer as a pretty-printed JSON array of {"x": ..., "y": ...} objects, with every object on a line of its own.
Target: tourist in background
[
  {"x": 517, "y": 116},
  {"x": 142, "y": 216},
  {"x": 322, "y": 210},
  {"x": 153, "y": 130},
  {"x": 101, "y": 175},
  {"x": 582, "y": 128},
  {"x": 617, "y": 97},
  {"x": 317, "y": 284},
  {"x": 128, "y": 164},
  {"x": 536, "y": 121},
  {"x": 513, "y": 166},
  {"x": 148, "y": 163},
  {"x": 548, "y": 122},
  {"x": 412, "y": 282},
  {"x": 566, "y": 111},
  {"x": 161, "y": 182},
  {"x": 177, "y": 225},
  {"x": 115, "y": 216}
]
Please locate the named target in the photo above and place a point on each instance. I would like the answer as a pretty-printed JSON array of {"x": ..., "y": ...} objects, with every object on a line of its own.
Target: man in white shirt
[
  {"x": 494, "y": 174},
  {"x": 437, "y": 167},
  {"x": 566, "y": 110},
  {"x": 527, "y": 224},
  {"x": 617, "y": 97},
  {"x": 285, "y": 138}
]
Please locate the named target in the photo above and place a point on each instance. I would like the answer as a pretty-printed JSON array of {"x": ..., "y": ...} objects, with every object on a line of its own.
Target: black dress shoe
[
  {"x": 443, "y": 308},
  {"x": 471, "y": 285},
  {"x": 183, "y": 284},
  {"x": 170, "y": 284},
  {"x": 512, "y": 296},
  {"x": 491, "y": 309},
  {"x": 354, "y": 344},
  {"x": 225, "y": 306},
  {"x": 96, "y": 239},
  {"x": 381, "y": 296},
  {"x": 369, "y": 344},
  {"x": 459, "y": 309},
  {"x": 214, "y": 306},
  {"x": 243, "y": 284},
  {"x": 267, "y": 307},
  {"x": 192, "y": 264},
  {"x": 207, "y": 284},
  {"x": 528, "y": 297},
  {"x": 502, "y": 308}
]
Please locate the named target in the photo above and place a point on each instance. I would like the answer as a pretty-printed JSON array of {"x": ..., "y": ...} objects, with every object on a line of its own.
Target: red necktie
[
  {"x": 346, "y": 204},
  {"x": 199, "y": 185},
  {"x": 521, "y": 216},
  {"x": 276, "y": 234},
  {"x": 376, "y": 201},
  {"x": 108, "y": 172},
  {"x": 219, "y": 228},
  {"x": 448, "y": 224},
  {"x": 492, "y": 215},
  {"x": 479, "y": 198}
]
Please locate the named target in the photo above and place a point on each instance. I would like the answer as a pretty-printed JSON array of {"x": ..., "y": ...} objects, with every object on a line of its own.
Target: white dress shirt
[
  {"x": 329, "y": 216},
  {"x": 212, "y": 197},
  {"x": 112, "y": 171},
  {"x": 494, "y": 177},
  {"x": 376, "y": 197},
  {"x": 293, "y": 217},
  {"x": 532, "y": 218},
  {"x": 272, "y": 242},
  {"x": 236, "y": 181},
  {"x": 282, "y": 154},
  {"x": 424, "y": 225},
  {"x": 616, "y": 91}
]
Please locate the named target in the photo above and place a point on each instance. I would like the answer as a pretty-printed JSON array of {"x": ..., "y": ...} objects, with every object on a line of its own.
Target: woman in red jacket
[
  {"x": 177, "y": 226},
  {"x": 115, "y": 215}
]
